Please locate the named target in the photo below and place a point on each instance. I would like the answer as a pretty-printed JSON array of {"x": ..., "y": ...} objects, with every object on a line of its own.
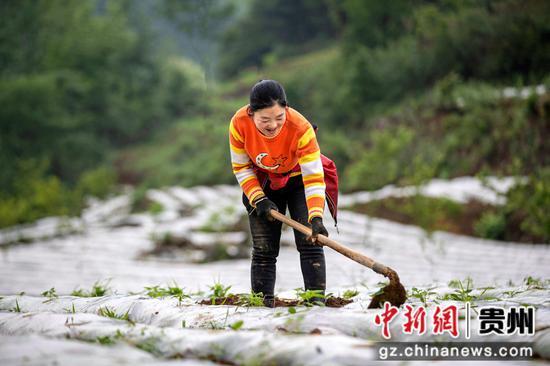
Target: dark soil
[
  {"x": 228, "y": 300},
  {"x": 394, "y": 293},
  {"x": 331, "y": 301}
]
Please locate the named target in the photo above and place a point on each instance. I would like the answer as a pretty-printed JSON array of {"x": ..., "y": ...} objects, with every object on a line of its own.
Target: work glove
[
  {"x": 317, "y": 228},
  {"x": 263, "y": 206}
]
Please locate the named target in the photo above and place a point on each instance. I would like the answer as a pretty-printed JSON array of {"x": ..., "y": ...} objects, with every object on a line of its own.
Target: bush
[
  {"x": 383, "y": 162},
  {"x": 491, "y": 226},
  {"x": 38, "y": 195},
  {"x": 98, "y": 182}
]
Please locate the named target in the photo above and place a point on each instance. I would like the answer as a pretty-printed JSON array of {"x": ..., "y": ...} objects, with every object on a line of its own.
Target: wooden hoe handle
[{"x": 348, "y": 252}]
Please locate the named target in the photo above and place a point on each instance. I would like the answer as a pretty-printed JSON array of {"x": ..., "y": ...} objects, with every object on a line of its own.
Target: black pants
[{"x": 266, "y": 237}]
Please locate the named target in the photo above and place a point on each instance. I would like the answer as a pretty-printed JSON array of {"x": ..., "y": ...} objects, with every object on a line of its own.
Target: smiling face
[{"x": 270, "y": 120}]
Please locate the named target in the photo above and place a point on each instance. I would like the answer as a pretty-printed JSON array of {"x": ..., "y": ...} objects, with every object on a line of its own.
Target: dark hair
[{"x": 265, "y": 93}]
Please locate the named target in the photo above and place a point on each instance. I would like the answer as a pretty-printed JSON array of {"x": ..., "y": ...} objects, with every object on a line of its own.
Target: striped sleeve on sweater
[
  {"x": 242, "y": 166},
  {"x": 311, "y": 165}
]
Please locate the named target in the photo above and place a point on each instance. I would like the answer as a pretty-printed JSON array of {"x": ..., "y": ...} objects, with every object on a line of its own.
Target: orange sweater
[{"x": 294, "y": 144}]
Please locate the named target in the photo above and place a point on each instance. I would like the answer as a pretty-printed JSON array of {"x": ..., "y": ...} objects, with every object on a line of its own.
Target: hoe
[{"x": 394, "y": 292}]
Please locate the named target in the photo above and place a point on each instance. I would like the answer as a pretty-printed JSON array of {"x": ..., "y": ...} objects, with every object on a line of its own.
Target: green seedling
[
  {"x": 482, "y": 295},
  {"x": 237, "y": 325},
  {"x": 218, "y": 291},
  {"x": 98, "y": 289},
  {"x": 72, "y": 310},
  {"x": 109, "y": 313},
  {"x": 422, "y": 295},
  {"x": 149, "y": 345},
  {"x": 348, "y": 294},
  {"x": 533, "y": 283},
  {"x": 512, "y": 293},
  {"x": 252, "y": 299},
  {"x": 105, "y": 340},
  {"x": 79, "y": 292},
  {"x": 16, "y": 309},
  {"x": 309, "y": 297},
  {"x": 462, "y": 292},
  {"x": 50, "y": 293},
  {"x": 174, "y": 290}
]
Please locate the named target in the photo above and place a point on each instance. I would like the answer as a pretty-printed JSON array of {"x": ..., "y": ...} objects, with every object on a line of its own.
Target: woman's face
[{"x": 270, "y": 120}]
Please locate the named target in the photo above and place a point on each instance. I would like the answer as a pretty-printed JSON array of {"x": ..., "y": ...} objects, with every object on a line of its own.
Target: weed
[
  {"x": 310, "y": 297},
  {"x": 218, "y": 290},
  {"x": 422, "y": 294},
  {"x": 252, "y": 299},
  {"x": 149, "y": 345},
  {"x": 16, "y": 309},
  {"x": 109, "y": 313},
  {"x": 174, "y": 290},
  {"x": 105, "y": 340},
  {"x": 292, "y": 310},
  {"x": 98, "y": 289},
  {"x": 348, "y": 294},
  {"x": 462, "y": 292},
  {"x": 50, "y": 293},
  {"x": 183, "y": 323},
  {"x": 119, "y": 334},
  {"x": 482, "y": 295},
  {"x": 237, "y": 325},
  {"x": 72, "y": 310},
  {"x": 533, "y": 283},
  {"x": 79, "y": 292},
  {"x": 512, "y": 293}
]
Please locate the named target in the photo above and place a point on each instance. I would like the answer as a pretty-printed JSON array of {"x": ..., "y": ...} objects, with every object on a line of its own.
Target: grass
[
  {"x": 251, "y": 299},
  {"x": 422, "y": 295},
  {"x": 534, "y": 283},
  {"x": 310, "y": 297},
  {"x": 174, "y": 291},
  {"x": 110, "y": 313},
  {"x": 463, "y": 292},
  {"x": 105, "y": 340},
  {"x": 98, "y": 289},
  {"x": 348, "y": 294},
  {"x": 149, "y": 345},
  {"x": 71, "y": 310},
  {"x": 218, "y": 290},
  {"x": 16, "y": 309},
  {"x": 512, "y": 293},
  {"x": 50, "y": 293}
]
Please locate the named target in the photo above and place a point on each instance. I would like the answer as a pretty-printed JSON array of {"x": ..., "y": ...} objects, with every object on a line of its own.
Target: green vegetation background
[{"x": 95, "y": 94}]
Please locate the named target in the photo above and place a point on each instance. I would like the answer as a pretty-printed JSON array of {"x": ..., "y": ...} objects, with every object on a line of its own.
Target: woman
[{"x": 277, "y": 162}]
